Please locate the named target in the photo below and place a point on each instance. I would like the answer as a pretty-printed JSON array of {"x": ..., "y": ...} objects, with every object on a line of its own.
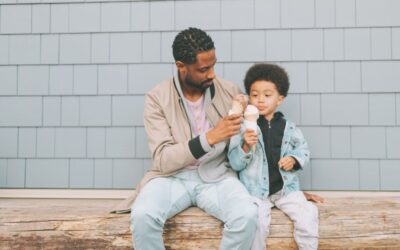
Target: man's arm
[{"x": 168, "y": 155}]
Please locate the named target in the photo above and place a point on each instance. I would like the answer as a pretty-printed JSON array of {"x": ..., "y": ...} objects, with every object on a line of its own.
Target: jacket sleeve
[
  {"x": 168, "y": 155},
  {"x": 299, "y": 149},
  {"x": 238, "y": 159}
]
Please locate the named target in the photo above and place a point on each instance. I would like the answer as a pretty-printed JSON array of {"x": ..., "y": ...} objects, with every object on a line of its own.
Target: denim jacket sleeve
[
  {"x": 299, "y": 148},
  {"x": 238, "y": 159}
]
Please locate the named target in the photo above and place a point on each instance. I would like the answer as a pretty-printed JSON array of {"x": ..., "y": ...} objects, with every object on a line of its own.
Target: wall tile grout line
[
  {"x": 79, "y": 111},
  {"x": 370, "y": 43},
  {"x": 335, "y": 14},
  {"x": 369, "y": 109},
  {"x": 380, "y": 174},
  {"x": 254, "y": 15},
  {"x": 355, "y": 13},
  {"x": 55, "y": 130},
  {"x": 344, "y": 44},
  {"x": 396, "y": 101},
  {"x": 93, "y": 174},
  {"x": 31, "y": 10},
  {"x": 87, "y": 142},
  {"x": 25, "y": 171},
  {"x": 386, "y": 143},
  {"x": 36, "y": 142},
  {"x": 101, "y": 17},
  {"x": 112, "y": 173},
  {"x": 59, "y": 49},
  {"x": 359, "y": 173},
  {"x": 265, "y": 46},
  {"x": 18, "y": 136},
  {"x": 323, "y": 45},
  {"x": 135, "y": 136},
  {"x": 69, "y": 174},
  {"x": 391, "y": 43},
  {"x": 69, "y": 17},
  {"x": 280, "y": 14},
  {"x": 6, "y": 177},
  {"x": 8, "y": 52},
  {"x": 351, "y": 141},
  {"x": 315, "y": 13}
]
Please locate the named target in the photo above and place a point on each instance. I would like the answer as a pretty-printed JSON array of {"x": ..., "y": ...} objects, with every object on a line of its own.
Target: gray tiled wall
[{"x": 73, "y": 74}]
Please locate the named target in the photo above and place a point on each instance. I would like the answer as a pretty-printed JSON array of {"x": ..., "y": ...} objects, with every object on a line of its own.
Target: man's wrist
[
  {"x": 210, "y": 139},
  {"x": 204, "y": 143}
]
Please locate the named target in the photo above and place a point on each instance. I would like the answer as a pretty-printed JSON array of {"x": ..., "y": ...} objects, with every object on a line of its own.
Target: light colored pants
[
  {"x": 164, "y": 197},
  {"x": 303, "y": 213}
]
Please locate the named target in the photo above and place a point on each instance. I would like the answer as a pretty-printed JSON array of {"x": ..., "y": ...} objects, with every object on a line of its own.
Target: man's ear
[{"x": 181, "y": 67}]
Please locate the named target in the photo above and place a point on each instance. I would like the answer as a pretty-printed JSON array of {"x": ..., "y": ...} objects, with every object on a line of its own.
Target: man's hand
[
  {"x": 250, "y": 138},
  {"x": 314, "y": 198},
  {"x": 287, "y": 163},
  {"x": 225, "y": 129}
]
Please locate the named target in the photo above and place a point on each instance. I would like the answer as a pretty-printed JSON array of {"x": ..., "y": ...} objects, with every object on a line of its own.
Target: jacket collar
[{"x": 277, "y": 115}]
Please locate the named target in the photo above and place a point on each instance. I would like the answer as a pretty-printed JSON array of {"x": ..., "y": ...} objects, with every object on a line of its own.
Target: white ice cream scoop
[{"x": 251, "y": 115}]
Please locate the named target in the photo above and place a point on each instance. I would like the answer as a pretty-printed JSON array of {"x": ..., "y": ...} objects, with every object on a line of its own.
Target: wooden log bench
[{"x": 347, "y": 221}]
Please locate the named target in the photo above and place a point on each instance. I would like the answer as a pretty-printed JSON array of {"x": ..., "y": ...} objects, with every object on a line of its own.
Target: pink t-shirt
[
  {"x": 199, "y": 116},
  {"x": 201, "y": 125}
]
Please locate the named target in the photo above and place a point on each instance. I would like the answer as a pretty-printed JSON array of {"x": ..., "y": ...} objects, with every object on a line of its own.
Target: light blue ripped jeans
[{"x": 164, "y": 197}]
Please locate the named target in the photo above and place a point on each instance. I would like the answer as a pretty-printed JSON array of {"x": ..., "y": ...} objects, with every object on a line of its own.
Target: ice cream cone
[
  {"x": 251, "y": 118},
  {"x": 237, "y": 108}
]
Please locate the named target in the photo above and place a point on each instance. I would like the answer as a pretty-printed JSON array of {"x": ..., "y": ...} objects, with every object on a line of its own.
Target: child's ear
[{"x": 280, "y": 99}]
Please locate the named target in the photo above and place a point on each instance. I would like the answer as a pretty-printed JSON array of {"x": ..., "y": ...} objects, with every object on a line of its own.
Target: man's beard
[{"x": 199, "y": 86}]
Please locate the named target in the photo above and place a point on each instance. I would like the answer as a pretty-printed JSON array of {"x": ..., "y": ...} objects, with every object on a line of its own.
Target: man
[{"x": 188, "y": 130}]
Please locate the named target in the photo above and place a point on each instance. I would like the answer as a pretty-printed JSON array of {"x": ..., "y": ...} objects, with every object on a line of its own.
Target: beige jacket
[{"x": 169, "y": 134}]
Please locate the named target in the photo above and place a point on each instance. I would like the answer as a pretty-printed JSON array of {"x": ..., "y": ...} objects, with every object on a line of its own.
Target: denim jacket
[{"x": 253, "y": 166}]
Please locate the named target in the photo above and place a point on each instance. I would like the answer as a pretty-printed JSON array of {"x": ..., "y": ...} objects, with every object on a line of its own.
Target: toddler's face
[{"x": 264, "y": 95}]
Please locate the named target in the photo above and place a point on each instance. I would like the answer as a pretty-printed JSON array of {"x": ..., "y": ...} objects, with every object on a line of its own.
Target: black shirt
[{"x": 272, "y": 132}]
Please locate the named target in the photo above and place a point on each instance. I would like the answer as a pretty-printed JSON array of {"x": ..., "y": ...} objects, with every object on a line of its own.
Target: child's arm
[
  {"x": 238, "y": 157},
  {"x": 298, "y": 155},
  {"x": 249, "y": 139}
]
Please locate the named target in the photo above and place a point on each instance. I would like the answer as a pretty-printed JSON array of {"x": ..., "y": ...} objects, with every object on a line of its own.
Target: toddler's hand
[
  {"x": 287, "y": 163},
  {"x": 250, "y": 138}
]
